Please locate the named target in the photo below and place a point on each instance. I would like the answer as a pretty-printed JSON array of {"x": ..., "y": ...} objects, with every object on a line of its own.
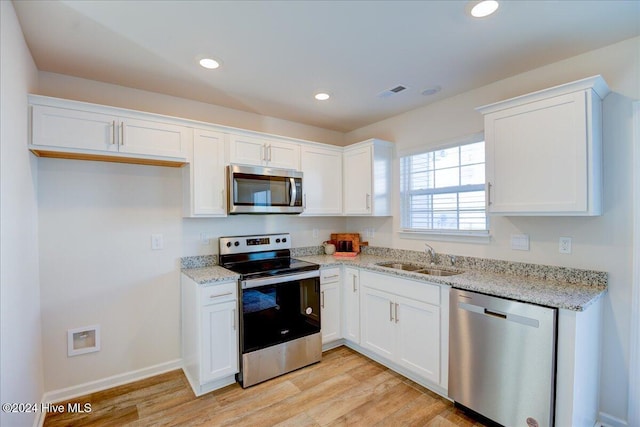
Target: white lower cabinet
[
  {"x": 209, "y": 334},
  {"x": 330, "y": 305},
  {"x": 401, "y": 322},
  {"x": 351, "y": 305}
]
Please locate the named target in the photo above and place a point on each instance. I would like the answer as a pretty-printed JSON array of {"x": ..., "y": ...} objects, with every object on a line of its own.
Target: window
[{"x": 443, "y": 190}]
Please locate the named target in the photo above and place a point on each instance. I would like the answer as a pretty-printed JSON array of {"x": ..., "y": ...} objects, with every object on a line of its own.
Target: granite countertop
[
  {"x": 558, "y": 287},
  {"x": 210, "y": 275},
  {"x": 548, "y": 291}
]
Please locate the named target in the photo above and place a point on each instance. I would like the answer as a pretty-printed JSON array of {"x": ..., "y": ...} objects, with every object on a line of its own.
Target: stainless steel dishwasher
[{"x": 502, "y": 358}]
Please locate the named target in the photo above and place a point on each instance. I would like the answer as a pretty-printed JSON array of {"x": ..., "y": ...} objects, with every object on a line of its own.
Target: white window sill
[{"x": 481, "y": 237}]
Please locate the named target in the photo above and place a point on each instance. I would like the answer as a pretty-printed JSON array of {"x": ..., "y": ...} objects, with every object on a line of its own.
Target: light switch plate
[
  {"x": 520, "y": 242},
  {"x": 157, "y": 242}
]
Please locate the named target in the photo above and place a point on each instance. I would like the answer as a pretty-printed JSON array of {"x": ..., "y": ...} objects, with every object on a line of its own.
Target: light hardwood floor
[{"x": 346, "y": 388}]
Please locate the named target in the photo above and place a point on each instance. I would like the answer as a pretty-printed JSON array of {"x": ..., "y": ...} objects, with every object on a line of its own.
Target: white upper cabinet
[
  {"x": 322, "y": 184},
  {"x": 153, "y": 138},
  {"x": 204, "y": 178},
  {"x": 71, "y": 129},
  {"x": 544, "y": 151},
  {"x": 65, "y": 128},
  {"x": 257, "y": 151},
  {"x": 367, "y": 178}
]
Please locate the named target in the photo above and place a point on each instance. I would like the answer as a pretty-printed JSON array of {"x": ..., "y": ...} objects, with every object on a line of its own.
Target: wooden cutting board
[{"x": 354, "y": 238}]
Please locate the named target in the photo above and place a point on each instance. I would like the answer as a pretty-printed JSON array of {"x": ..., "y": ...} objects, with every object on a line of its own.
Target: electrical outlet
[
  {"x": 565, "y": 245},
  {"x": 372, "y": 232},
  {"x": 520, "y": 242},
  {"x": 315, "y": 232},
  {"x": 204, "y": 239}
]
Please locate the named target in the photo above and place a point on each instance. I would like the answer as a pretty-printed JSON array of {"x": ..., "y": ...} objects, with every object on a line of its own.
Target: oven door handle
[{"x": 254, "y": 283}]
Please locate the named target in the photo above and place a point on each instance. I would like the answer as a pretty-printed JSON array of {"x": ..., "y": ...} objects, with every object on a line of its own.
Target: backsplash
[{"x": 544, "y": 272}]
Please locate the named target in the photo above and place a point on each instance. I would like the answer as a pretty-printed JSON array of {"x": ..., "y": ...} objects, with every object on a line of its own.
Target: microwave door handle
[{"x": 293, "y": 193}]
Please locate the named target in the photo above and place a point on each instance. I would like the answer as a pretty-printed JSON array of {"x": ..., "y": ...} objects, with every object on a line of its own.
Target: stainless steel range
[{"x": 279, "y": 299}]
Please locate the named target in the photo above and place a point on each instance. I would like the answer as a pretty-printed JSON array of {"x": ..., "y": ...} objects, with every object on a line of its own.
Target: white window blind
[{"x": 444, "y": 189}]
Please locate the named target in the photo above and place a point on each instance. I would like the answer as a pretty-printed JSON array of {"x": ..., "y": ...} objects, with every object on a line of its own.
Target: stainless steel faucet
[{"x": 431, "y": 252}]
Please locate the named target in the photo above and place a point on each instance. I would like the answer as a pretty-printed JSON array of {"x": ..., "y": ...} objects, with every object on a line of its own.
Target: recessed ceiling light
[
  {"x": 484, "y": 8},
  {"x": 322, "y": 96},
  {"x": 209, "y": 63},
  {"x": 431, "y": 90}
]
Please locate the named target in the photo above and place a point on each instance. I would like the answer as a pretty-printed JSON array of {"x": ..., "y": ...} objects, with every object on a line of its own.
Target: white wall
[
  {"x": 600, "y": 243},
  {"x": 21, "y": 374},
  {"x": 97, "y": 266}
]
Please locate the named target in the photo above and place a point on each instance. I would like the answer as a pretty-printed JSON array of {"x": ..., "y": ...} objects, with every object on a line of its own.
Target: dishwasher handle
[
  {"x": 527, "y": 321},
  {"x": 495, "y": 314}
]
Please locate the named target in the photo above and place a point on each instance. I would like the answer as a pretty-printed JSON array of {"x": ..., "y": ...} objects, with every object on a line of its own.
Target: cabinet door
[
  {"x": 247, "y": 150},
  {"x": 66, "y": 128},
  {"x": 153, "y": 138},
  {"x": 322, "y": 170},
  {"x": 377, "y": 322},
  {"x": 282, "y": 155},
  {"x": 219, "y": 341},
  {"x": 351, "y": 299},
  {"x": 330, "y": 312},
  {"x": 418, "y": 337},
  {"x": 208, "y": 174},
  {"x": 357, "y": 181},
  {"x": 537, "y": 156}
]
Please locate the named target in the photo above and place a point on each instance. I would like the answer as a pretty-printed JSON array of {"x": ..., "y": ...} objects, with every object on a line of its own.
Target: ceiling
[{"x": 276, "y": 54}]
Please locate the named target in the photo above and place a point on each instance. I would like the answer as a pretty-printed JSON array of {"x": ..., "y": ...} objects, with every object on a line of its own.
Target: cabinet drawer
[
  {"x": 218, "y": 293},
  {"x": 330, "y": 275},
  {"x": 416, "y": 290}
]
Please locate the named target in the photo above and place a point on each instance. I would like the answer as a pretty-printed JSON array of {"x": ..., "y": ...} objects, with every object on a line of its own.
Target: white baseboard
[
  {"x": 104, "y": 384},
  {"x": 606, "y": 420}
]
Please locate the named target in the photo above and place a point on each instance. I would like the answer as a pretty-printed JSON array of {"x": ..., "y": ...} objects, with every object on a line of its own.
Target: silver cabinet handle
[
  {"x": 397, "y": 313},
  {"x": 368, "y": 201},
  {"x": 488, "y": 194},
  {"x": 269, "y": 148},
  {"x": 354, "y": 283},
  {"x": 113, "y": 132},
  {"x": 304, "y": 201},
  {"x": 322, "y": 299},
  {"x": 390, "y": 311},
  {"x": 221, "y": 295},
  {"x": 233, "y": 313},
  {"x": 222, "y": 201},
  {"x": 264, "y": 152},
  {"x": 121, "y": 133},
  {"x": 331, "y": 277}
]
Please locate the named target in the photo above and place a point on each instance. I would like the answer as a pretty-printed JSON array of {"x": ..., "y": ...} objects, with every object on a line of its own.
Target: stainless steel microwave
[{"x": 261, "y": 190}]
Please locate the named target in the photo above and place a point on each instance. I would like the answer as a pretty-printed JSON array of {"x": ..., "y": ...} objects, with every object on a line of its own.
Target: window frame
[{"x": 443, "y": 234}]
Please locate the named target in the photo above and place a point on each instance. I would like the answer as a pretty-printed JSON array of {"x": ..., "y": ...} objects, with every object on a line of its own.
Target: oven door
[
  {"x": 264, "y": 190},
  {"x": 279, "y": 309}
]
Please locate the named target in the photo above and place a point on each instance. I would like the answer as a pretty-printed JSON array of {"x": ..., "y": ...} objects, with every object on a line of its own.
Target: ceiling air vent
[{"x": 387, "y": 93}]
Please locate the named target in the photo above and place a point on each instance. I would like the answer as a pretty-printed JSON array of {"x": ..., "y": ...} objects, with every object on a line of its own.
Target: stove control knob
[
  {"x": 284, "y": 240},
  {"x": 236, "y": 243},
  {"x": 277, "y": 240},
  {"x": 228, "y": 244}
]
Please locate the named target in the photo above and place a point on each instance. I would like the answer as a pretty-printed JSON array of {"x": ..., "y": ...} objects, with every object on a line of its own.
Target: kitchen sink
[
  {"x": 438, "y": 272},
  {"x": 417, "y": 268},
  {"x": 401, "y": 266}
]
